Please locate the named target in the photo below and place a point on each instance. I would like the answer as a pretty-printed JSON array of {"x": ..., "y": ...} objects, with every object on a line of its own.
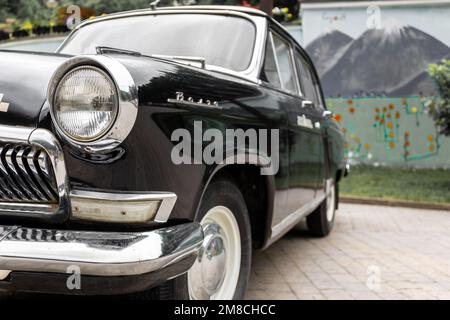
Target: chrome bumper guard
[{"x": 96, "y": 253}]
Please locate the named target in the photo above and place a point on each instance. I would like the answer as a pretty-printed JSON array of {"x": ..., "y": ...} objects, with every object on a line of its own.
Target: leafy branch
[{"x": 439, "y": 107}]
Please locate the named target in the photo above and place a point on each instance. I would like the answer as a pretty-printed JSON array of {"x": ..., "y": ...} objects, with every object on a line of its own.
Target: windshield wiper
[
  {"x": 103, "y": 50},
  {"x": 200, "y": 60}
]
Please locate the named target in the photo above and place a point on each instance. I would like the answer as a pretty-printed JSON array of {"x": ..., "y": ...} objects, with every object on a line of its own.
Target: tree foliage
[
  {"x": 108, "y": 6},
  {"x": 37, "y": 12},
  {"x": 5, "y": 10},
  {"x": 439, "y": 107}
]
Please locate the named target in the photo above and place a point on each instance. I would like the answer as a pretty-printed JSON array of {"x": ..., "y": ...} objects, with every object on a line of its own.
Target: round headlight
[{"x": 85, "y": 104}]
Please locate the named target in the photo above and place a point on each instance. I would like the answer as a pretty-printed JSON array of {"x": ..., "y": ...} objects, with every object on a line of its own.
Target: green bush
[{"x": 439, "y": 107}]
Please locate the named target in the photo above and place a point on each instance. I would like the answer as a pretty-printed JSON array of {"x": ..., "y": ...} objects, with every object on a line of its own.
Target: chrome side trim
[
  {"x": 45, "y": 140},
  {"x": 15, "y": 134},
  {"x": 167, "y": 200},
  {"x": 290, "y": 221},
  {"x": 127, "y": 93},
  {"x": 98, "y": 253},
  {"x": 4, "y": 274},
  {"x": 165, "y": 208}
]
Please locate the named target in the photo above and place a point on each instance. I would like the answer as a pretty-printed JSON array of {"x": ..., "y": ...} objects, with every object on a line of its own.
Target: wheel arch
[{"x": 254, "y": 187}]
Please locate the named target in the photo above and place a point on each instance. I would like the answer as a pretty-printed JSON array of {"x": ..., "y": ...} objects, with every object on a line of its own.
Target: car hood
[{"x": 24, "y": 78}]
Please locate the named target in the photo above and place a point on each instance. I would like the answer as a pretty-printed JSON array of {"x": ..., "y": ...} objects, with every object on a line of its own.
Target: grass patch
[{"x": 419, "y": 185}]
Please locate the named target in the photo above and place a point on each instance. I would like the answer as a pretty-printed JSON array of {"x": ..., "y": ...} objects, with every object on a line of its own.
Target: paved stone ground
[{"x": 373, "y": 252}]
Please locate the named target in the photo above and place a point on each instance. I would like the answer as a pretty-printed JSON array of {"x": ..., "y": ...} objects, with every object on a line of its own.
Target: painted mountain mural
[
  {"x": 390, "y": 61},
  {"x": 327, "y": 49}
]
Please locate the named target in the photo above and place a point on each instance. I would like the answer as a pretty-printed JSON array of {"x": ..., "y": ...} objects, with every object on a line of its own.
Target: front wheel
[
  {"x": 321, "y": 221},
  {"x": 222, "y": 268}
]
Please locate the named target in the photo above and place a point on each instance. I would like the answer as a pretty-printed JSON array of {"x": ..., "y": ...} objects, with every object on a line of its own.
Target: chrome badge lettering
[
  {"x": 181, "y": 99},
  {"x": 3, "y": 105}
]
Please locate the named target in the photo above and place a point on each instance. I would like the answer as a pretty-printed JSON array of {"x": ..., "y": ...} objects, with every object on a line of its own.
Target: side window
[
  {"x": 307, "y": 82},
  {"x": 278, "y": 66},
  {"x": 319, "y": 96},
  {"x": 270, "y": 65},
  {"x": 285, "y": 66}
]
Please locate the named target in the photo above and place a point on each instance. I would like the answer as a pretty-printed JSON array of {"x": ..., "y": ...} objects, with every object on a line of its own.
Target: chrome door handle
[
  {"x": 327, "y": 114},
  {"x": 307, "y": 103}
]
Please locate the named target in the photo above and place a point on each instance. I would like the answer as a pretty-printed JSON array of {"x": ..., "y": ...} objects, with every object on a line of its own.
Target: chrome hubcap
[
  {"x": 211, "y": 261},
  {"x": 215, "y": 273}
]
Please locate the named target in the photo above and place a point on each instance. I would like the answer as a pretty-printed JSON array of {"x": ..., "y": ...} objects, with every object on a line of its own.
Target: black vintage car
[{"x": 129, "y": 162}]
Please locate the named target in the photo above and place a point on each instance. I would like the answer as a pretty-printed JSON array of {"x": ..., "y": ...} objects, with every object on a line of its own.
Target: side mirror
[
  {"x": 327, "y": 114},
  {"x": 307, "y": 103}
]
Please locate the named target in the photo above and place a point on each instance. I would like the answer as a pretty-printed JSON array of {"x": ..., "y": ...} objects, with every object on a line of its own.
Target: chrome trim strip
[
  {"x": 45, "y": 140},
  {"x": 121, "y": 196},
  {"x": 48, "y": 142},
  {"x": 127, "y": 95},
  {"x": 4, "y": 274},
  {"x": 291, "y": 220},
  {"x": 296, "y": 71},
  {"x": 24, "y": 208},
  {"x": 275, "y": 57},
  {"x": 98, "y": 253},
  {"x": 167, "y": 199},
  {"x": 165, "y": 208},
  {"x": 15, "y": 134}
]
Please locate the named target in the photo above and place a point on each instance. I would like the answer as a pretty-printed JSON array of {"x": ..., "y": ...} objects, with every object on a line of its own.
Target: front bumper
[{"x": 154, "y": 256}]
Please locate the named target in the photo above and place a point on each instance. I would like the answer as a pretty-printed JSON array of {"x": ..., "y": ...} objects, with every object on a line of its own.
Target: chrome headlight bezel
[
  {"x": 58, "y": 122},
  {"x": 127, "y": 96}
]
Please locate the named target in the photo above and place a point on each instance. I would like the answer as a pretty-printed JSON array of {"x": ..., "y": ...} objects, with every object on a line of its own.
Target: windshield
[{"x": 223, "y": 41}]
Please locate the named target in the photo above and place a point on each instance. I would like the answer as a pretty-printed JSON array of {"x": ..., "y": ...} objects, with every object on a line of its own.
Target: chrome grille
[{"x": 26, "y": 175}]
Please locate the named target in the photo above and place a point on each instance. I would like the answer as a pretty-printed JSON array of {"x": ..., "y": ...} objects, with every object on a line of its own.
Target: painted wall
[
  {"x": 377, "y": 50},
  {"x": 390, "y": 131},
  {"x": 297, "y": 32},
  {"x": 372, "y": 61},
  {"x": 353, "y": 21}
]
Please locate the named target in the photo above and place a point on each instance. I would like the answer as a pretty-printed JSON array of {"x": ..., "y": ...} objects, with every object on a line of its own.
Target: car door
[
  {"x": 312, "y": 108},
  {"x": 303, "y": 171}
]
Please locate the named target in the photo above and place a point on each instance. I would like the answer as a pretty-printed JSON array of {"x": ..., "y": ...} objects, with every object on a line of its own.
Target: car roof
[
  {"x": 242, "y": 9},
  {"x": 217, "y": 8}
]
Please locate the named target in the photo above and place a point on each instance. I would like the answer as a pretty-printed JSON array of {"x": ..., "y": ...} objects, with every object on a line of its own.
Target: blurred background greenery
[{"x": 26, "y": 14}]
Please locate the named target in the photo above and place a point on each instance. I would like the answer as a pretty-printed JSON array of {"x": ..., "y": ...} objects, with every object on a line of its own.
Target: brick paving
[{"x": 373, "y": 252}]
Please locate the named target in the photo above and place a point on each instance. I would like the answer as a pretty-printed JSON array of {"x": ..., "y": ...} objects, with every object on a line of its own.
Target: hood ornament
[{"x": 3, "y": 105}]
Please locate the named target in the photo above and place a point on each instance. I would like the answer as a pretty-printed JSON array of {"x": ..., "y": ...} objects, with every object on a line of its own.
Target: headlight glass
[{"x": 85, "y": 103}]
